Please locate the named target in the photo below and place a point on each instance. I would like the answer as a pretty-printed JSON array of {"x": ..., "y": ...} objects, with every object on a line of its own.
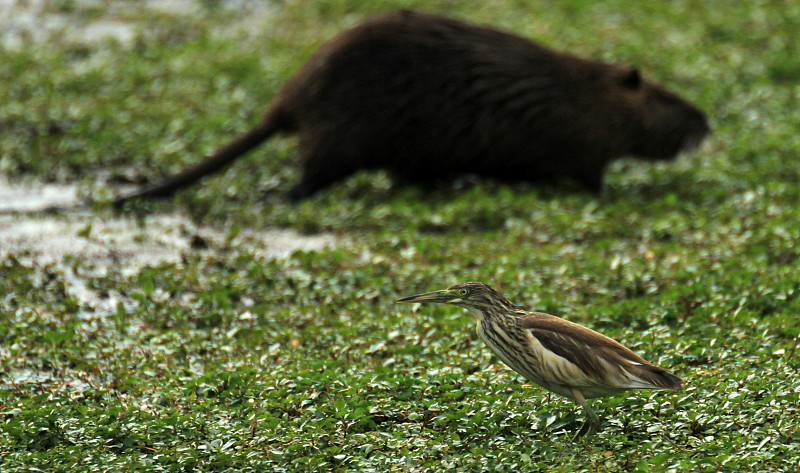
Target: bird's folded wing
[{"x": 580, "y": 356}]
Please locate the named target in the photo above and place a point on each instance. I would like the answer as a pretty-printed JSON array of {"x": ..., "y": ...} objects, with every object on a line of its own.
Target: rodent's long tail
[{"x": 229, "y": 153}]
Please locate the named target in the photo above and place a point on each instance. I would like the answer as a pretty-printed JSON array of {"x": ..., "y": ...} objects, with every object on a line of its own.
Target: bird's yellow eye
[{"x": 463, "y": 292}]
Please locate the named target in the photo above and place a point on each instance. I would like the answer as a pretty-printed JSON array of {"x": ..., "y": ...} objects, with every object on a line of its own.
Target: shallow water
[
  {"x": 38, "y": 21},
  {"x": 118, "y": 243}
]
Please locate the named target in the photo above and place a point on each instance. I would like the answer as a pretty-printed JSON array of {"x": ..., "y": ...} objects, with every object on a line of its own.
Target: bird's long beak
[{"x": 444, "y": 295}]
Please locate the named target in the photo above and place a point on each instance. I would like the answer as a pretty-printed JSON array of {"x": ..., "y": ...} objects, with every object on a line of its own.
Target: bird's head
[{"x": 476, "y": 296}]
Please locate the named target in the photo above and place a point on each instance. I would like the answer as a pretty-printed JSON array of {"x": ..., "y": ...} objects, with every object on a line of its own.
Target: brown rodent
[{"x": 425, "y": 97}]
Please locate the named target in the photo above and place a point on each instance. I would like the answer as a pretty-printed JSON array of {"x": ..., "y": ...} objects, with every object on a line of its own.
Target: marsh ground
[{"x": 225, "y": 357}]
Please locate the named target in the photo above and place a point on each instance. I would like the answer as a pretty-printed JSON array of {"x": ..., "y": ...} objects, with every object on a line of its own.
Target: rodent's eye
[
  {"x": 632, "y": 79},
  {"x": 463, "y": 292}
]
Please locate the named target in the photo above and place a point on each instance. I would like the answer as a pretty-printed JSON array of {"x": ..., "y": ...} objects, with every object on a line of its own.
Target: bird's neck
[
  {"x": 479, "y": 314},
  {"x": 491, "y": 317}
]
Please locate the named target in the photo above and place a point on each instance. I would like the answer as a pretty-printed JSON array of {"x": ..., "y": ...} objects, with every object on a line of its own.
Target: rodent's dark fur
[{"x": 425, "y": 97}]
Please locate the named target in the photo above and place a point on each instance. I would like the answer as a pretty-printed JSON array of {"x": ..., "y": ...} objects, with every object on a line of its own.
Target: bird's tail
[
  {"x": 653, "y": 377},
  {"x": 670, "y": 381}
]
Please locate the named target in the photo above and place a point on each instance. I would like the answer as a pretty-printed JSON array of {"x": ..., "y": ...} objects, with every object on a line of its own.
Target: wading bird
[{"x": 561, "y": 356}]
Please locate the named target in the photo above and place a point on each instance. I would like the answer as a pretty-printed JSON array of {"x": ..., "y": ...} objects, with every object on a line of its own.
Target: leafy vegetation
[{"x": 229, "y": 361}]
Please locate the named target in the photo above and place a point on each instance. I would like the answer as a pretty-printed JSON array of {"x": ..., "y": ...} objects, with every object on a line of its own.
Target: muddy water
[
  {"x": 35, "y": 21},
  {"x": 118, "y": 244}
]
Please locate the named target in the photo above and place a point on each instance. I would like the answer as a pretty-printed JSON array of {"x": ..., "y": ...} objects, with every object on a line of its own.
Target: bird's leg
[{"x": 592, "y": 422}]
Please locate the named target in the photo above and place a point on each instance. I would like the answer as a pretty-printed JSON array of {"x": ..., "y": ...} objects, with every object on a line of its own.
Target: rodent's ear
[{"x": 632, "y": 79}]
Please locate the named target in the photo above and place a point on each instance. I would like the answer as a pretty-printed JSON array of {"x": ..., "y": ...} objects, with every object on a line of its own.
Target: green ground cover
[{"x": 229, "y": 361}]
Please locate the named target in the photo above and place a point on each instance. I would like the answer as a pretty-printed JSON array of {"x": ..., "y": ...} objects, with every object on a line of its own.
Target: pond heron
[{"x": 561, "y": 356}]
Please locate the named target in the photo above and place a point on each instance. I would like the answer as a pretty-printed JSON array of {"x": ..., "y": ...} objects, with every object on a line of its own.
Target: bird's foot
[{"x": 588, "y": 429}]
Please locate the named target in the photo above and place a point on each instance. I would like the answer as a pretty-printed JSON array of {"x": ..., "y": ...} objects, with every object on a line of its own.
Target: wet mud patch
[
  {"x": 89, "y": 21},
  {"x": 122, "y": 245}
]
